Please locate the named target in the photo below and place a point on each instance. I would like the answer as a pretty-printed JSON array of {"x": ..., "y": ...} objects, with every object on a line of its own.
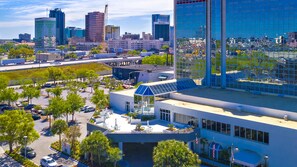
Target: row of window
[
  {"x": 165, "y": 115},
  {"x": 251, "y": 134},
  {"x": 216, "y": 126}
]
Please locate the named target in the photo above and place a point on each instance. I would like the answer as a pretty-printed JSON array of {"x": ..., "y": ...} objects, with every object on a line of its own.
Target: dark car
[
  {"x": 36, "y": 117},
  {"x": 30, "y": 153},
  {"x": 7, "y": 108},
  {"x": 47, "y": 85},
  {"x": 29, "y": 107},
  {"x": 3, "y": 106}
]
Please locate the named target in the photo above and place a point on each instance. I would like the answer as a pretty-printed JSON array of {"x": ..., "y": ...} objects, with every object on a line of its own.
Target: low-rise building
[
  {"x": 44, "y": 57},
  {"x": 142, "y": 73}
]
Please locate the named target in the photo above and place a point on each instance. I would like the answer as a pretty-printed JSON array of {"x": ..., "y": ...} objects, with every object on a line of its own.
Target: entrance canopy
[
  {"x": 164, "y": 87},
  {"x": 247, "y": 158}
]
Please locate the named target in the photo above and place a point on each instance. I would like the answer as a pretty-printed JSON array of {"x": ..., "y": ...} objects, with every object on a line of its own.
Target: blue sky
[{"x": 17, "y": 16}]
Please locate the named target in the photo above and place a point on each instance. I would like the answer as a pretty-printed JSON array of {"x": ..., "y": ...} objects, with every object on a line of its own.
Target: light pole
[
  {"x": 25, "y": 138},
  {"x": 265, "y": 159},
  {"x": 233, "y": 150}
]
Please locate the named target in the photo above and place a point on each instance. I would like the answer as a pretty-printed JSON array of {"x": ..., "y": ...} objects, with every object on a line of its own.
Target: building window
[
  {"x": 127, "y": 106},
  {"x": 165, "y": 115},
  {"x": 216, "y": 126},
  {"x": 203, "y": 123},
  {"x": 251, "y": 134}
]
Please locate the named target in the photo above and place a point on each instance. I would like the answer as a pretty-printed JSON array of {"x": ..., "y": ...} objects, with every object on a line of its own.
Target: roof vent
[{"x": 286, "y": 117}]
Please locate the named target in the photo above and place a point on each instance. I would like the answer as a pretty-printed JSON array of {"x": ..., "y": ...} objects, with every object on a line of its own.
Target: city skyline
[{"x": 134, "y": 18}]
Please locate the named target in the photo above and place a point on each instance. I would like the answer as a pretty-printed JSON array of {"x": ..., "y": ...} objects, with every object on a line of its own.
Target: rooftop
[
  {"x": 146, "y": 67},
  {"x": 234, "y": 114},
  {"x": 245, "y": 98}
]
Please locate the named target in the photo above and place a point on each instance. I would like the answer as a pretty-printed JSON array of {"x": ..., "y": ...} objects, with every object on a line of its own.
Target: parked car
[
  {"x": 47, "y": 85},
  {"x": 30, "y": 153},
  {"x": 3, "y": 106},
  {"x": 19, "y": 104},
  {"x": 29, "y": 106},
  {"x": 7, "y": 108},
  {"x": 47, "y": 161},
  {"x": 89, "y": 109},
  {"x": 36, "y": 117}
]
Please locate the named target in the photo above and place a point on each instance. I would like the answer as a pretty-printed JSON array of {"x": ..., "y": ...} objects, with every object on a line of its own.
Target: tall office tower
[
  {"x": 160, "y": 26},
  {"x": 257, "y": 56},
  {"x": 25, "y": 37},
  {"x": 112, "y": 32},
  {"x": 60, "y": 25},
  {"x": 95, "y": 27},
  {"x": 45, "y": 33}
]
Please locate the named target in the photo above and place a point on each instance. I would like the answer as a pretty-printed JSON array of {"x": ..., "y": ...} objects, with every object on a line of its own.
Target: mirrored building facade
[{"x": 261, "y": 44}]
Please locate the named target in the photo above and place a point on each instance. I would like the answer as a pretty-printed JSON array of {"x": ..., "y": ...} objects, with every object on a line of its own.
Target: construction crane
[{"x": 105, "y": 19}]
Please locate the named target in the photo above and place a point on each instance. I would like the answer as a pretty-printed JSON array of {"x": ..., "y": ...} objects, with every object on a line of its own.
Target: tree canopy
[
  {"x": 14, "y": 125},
  {"x": 98, "y": 147},
  {"x": 174, "y": 153},
  {"x": 100, "y": 99},
  {"x": 59, "y": 127}
]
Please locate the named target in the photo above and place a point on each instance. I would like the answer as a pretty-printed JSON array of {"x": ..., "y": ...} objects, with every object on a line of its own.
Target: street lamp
[
  {"x": 266, "y": 158},
  {"x": 233, "y": 150},
  {"x": 25, "y": 139}
]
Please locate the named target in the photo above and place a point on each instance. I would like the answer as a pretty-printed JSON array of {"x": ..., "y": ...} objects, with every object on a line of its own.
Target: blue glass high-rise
[
  {"x": 260, "y": 41},
  {"x": 60, "y": 25}
]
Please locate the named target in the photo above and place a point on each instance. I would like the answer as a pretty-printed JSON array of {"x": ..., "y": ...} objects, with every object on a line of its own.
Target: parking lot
[{"x": 42, "y": 145}]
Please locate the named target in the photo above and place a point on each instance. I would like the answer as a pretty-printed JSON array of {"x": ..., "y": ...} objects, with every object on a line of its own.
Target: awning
[
  {"x": 164, "y": 87},
  {"x": 247, "y": 158}
]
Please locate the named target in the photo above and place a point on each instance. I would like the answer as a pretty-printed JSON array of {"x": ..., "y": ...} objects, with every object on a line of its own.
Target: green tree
[
  {"x": 56, "y": 107},
  {"x": 9, "y": 95},
  {"x": 30, "y": 92},
  {"x": 3, "y": 82},
  {"x": 81, "y": 74},
  {"x": 137, "y": 85},
  {"x": 48, "y": 91},
  {"x": 97, "y": 50},
  {"x": 59, "y": 127},
  {"x": 174, "y": 153},
  {"x": 39, "y": 78},
  {"x": 74, "y": 103},
  {"x": 96, "y": 145},
  {"x": 57, "y": 91},
  {"x": 133, "y": 53},
  {"x": 100, "y": 99},
  {"x": 71, "y": 136},
  {"x": 14, "y": 125},
  {"x": 114, "y": 155},
  {"x": 54, "y": 73},
  {"x": 92, "y": 78}
]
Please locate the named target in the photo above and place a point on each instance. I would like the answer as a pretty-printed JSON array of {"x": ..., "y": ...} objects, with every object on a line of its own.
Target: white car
[{"x": 48, "y": 162}]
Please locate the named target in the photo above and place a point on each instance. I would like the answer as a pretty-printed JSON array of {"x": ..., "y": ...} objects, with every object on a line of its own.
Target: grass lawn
[{"x": 26, "y": 74}]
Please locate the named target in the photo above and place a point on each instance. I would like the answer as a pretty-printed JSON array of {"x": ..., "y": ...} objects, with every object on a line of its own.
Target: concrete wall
[
  {"x": 118, "y": 102},
  {"x": 282, "y": 147}
]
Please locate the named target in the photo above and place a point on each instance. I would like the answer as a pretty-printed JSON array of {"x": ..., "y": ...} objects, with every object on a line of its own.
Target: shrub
[
  {"x": 147, "y": 117},
  {"x": 22, "y": 160},
  {"x": 132, "y": 114}
]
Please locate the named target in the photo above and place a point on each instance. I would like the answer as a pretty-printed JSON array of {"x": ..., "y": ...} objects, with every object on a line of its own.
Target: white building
[
  {"x": 136, "y": 44},
  {"x": 259, "y": 129}
]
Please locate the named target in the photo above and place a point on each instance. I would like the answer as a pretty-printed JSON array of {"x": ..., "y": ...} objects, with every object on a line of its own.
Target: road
[{"x": 29, "y": 66}]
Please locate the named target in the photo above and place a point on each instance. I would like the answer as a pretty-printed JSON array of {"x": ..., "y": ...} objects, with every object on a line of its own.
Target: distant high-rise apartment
[
  {"x": 95, "y": 27},
  {"x": 248, "y": 45},
  {"x": 112, "y": 32},
  {"x": 45, "y": 33},
  {"x": 131, "y": 36},
  {"x": 74, "y": 32},
  {"x": 25, "y": 37},
  {"x": 147, "y": 36},
  {"x": 160, "y": 26},
  {"x": 60, "y": 25}
]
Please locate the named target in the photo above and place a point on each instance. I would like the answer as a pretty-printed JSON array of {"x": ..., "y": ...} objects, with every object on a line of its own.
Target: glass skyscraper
[
  {"x": 160, "y": 26},
  {"x": 45, "y": 33},
  {"x": 261, "y": 44},
  {"x": 60, "y": 25}
]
